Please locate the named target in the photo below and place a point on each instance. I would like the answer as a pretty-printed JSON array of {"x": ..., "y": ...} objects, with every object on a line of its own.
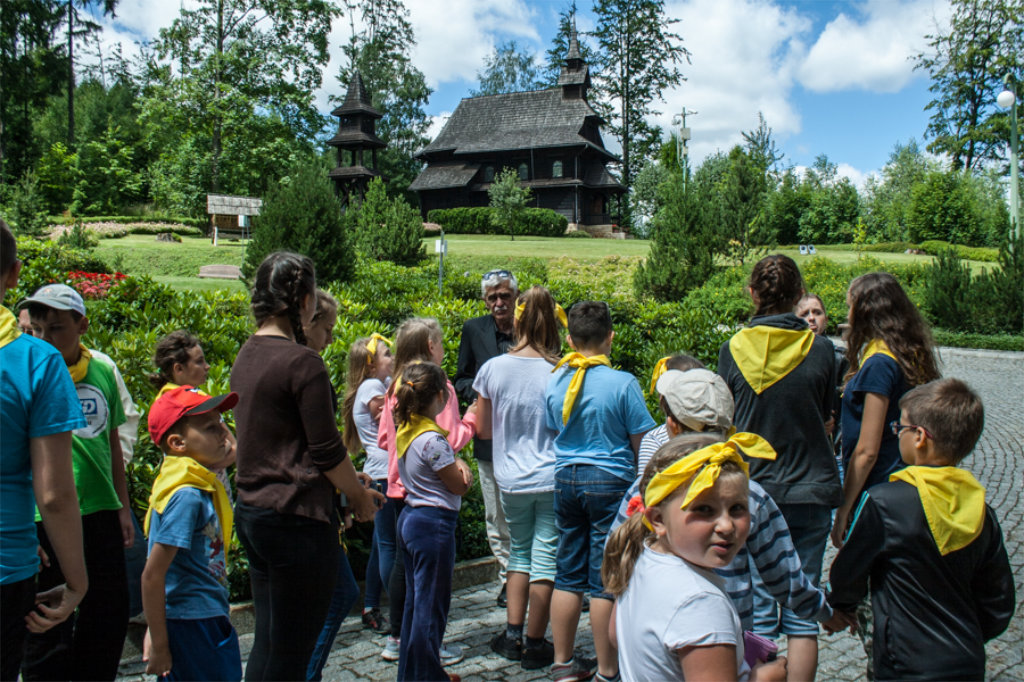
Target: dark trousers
[
  {"x": 203, "y": 649},
  {"x": 293, "y": 561},
  {"x": 382, "y": 549},
  {"x": 16, "y": 600},
  {"x": 87, "y": 646},
  {"x": 428, "y": 534},
  {"x": 346, "y": 591},
  {"x": 396, "y": 581}
]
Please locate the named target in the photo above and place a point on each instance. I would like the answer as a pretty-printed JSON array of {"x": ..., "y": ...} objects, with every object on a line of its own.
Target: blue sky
[{"x": 831, "y": 78}]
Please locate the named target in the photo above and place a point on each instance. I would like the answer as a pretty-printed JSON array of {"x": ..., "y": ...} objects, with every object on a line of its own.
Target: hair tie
[
  {"x": 659, "y": 369},
  {"x": 559, "y": 313},
  {"x": 636, "y": 504},
  {"x": 371, "y": 346}
]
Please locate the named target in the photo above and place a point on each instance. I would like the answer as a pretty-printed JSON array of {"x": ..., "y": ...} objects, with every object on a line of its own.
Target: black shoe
[
  {"x": 540, "y": 656},
  {"x": 502, "y": 599},
  {"x": 375, "y": 620},
  {"x": 586, "y": 602},
  {"x": 507, "y": 647}
]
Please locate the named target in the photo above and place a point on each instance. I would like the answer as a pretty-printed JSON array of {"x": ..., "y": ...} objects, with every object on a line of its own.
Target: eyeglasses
[
  {"x": 897, "y": 429},
  {"x": 503, "y": 295},
  {"x": 504, "y": 274}
]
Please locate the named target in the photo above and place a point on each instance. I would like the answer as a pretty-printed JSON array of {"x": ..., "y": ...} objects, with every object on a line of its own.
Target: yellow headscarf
[
  {"x": 659, "y": 369},
  {"x": 80, "y": 368},
  {"x": 764, "y": 355},
  {"x": 371, "y": 346},
  {"x": 559, "y": 313},
  {"x": 581, "y": 364},
  {"x": 181, "y": 472},
  {"x": 417, "y": 425},
  {"x": 875, "y": 347},
  {"x": 953, "y": 501},
  {"x": 9, "y": 330},
  {"x": 703, "y": 468}
]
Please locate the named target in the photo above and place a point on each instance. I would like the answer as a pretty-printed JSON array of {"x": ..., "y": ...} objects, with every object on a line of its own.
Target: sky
[{"x": 834, "y": 78}]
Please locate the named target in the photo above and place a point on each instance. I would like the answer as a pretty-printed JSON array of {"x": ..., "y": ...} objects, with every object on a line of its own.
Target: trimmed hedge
[
  {"x": 199, "y": 223},
  {"x": 537, "y": 222},
  {"x": 935, "y": 247}
]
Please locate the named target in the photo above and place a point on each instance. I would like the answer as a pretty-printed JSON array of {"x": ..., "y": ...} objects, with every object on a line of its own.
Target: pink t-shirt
[{"x": 460, "y": 431}]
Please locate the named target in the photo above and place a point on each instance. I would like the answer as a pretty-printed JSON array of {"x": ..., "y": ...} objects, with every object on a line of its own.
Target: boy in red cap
[{"x": 189, "y": 524}]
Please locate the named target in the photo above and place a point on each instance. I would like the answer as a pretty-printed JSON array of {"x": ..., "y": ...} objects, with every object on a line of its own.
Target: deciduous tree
[
  {"x": 509, "y": 69},
  {"x": 508, "y": 200}
]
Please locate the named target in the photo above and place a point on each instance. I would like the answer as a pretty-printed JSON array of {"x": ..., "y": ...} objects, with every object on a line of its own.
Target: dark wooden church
[{"x": 551, "y": 137}]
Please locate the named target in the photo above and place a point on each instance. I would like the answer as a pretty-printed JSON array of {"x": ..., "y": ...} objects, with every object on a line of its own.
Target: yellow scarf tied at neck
[
  {"x": 765, "y": 355},
  {"x": 185, "y": 472},
  {"x": 9, "y": 330},
  {"x": 704, "y": 467},
  {"x": 659, "y": 369},
  {"x": 953, "y": 501},
  {"x": 417, "y": 425},
  {"x": 875, "y": 347},
  {"x": 80, "y": 368},
  {"x": 371, "y": 346},
  {"x": 559, "y": 313},
  {"x": 581, "y": 364},
  {"x": 168, "y": 387}
]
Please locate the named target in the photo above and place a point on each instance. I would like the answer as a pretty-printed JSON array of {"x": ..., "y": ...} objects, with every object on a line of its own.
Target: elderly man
[{"x": 482, "y": 339}]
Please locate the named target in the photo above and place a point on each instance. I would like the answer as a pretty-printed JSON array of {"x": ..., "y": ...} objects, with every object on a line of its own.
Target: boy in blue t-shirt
[
  {"x": 601, "y": 417},
  {"x": 189, "y": 523}
]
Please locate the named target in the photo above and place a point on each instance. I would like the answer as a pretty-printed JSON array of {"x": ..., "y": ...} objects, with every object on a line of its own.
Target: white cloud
[
  {"x": 857, "y": 177},
  {"x": 872, "y": 48}
]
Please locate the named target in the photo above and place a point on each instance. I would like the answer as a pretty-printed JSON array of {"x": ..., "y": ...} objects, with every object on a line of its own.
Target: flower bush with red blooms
[{"x": 93, "y": 284}]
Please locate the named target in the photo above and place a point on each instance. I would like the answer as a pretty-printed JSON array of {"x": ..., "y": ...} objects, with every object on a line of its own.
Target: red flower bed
[{"x": 93, "y": 284}]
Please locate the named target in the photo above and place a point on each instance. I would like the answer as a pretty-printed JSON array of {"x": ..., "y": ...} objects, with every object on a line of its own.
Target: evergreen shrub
[
  {"x": 386, "y": 229},
  {"x": 537, "y": 222}
]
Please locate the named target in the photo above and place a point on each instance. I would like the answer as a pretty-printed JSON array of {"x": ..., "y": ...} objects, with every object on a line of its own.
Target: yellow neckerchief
[
  {"x": 659, "y": 369},
  {"x": 581, "y": 364},
  {"x": 181, "y": 472},
  {"x": 80, "y": 368},
  {"x": 953, "y": 501},
  {"x": 417, "y": 425},
  {"x": 9, "y": 330},
  {"x": 371, "y": 346},
  {"x": 875, "y": 347},
  {"x": 764, "y": 354},
  {"x": 559, "y": 313},
  {"x": 703, "y": 467},
  {"x": 168, "y": 387}
]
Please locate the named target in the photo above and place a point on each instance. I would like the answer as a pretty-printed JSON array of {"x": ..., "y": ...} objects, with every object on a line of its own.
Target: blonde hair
[
  {"x": 628, "y": 540},
  {"x": 538, "y": 326},
  {"x": 361, "y": 366},
  {"x": 412, "y": 341}
]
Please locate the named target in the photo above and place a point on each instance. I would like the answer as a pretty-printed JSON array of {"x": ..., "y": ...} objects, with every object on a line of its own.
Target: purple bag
[{"x": 758, "y": 649}]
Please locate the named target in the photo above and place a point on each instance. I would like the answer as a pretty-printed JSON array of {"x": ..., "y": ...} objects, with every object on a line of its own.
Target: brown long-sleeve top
[{"x": 287, "y": 433}]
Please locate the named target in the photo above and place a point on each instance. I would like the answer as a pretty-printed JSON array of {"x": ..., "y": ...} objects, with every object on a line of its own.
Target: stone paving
[{"x": 998, "y": 463}]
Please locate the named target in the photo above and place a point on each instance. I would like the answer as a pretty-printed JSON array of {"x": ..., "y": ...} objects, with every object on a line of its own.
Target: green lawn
[{"x": 173, "y": 263}]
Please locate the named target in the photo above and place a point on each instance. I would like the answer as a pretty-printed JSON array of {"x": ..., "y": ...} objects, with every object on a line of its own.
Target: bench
[{"x": 220, "y": 272}]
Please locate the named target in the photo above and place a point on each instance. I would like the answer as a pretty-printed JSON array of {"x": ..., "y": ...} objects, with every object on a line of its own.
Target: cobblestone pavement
[{"x": 998, "y": 463}]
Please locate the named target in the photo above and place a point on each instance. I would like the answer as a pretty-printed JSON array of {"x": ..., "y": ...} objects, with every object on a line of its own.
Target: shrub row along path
[{"x": 998, "y": 462}]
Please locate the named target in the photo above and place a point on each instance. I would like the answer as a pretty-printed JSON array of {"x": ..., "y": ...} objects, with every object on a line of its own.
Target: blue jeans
[
  {"x": 346, "y": 592},
  {"x": 204, "y": 649},
  {"x": 586, "y": 501},
  {"x": 809, "y": 526},
  {"x": 428, "y": 536},
  {"x": 382, "y": 550}
]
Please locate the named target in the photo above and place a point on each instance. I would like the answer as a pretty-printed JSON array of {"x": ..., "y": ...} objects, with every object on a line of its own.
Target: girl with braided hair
[{"x": 290, "y": 460}]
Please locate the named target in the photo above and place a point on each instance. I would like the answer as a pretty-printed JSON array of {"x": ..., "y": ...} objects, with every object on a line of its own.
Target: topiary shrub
[{"x": 537, "y": 222}]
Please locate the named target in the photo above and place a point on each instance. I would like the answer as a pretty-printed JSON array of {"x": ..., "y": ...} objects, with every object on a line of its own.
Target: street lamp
[
  {"x": 1007, "y": 99},
  {"x": 682, "y": 153}
]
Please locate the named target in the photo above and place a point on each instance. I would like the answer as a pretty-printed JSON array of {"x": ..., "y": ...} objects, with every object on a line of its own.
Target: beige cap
[{"x": 698, "y": 398}]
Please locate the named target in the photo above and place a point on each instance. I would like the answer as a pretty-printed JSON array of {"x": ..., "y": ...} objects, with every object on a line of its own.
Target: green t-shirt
[{"x": 90, "y": 445}]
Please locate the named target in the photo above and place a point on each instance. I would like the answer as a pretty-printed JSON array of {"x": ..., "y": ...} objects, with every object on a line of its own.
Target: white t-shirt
[
  {"x": 524, "y": 453},
  {"x": 426, "y": 455},
  {"x": 670, "y": 605},
  {"x": 376, "y": 464}
]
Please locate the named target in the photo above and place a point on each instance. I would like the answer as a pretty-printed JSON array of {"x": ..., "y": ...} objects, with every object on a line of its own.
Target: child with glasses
[{"x": 940, "y": 579}]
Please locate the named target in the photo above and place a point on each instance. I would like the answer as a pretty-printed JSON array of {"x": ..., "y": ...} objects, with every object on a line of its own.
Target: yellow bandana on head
[
  {"x": 185, "y": 472},
  {"x": 371, "y": 346},
  {"x": 704, "y": 467},
  {"x": 764, "y": 355},
  {"x": 875, "y": 347},
  {"x": 80, "y": 368},
  {"x": 9, "y": 330},
  {"x": 417, "y": 425},
  {"x": 559, "y": 313},
  {"x": 581, "y": 364},
  {"x": 953, "y": 501},
  {"x": 659, "y": 369}
]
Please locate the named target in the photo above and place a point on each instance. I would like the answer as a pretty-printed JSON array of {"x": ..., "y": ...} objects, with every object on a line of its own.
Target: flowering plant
[{"x": 93, "y": 284}]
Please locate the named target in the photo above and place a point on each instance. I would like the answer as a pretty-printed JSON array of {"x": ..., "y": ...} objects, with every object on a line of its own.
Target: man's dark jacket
[{"x": 479, "y": 344}]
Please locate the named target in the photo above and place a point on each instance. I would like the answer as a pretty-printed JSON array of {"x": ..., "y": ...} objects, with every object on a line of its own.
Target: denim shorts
[
  {"x": 533, "y": 533},
  {"x": 586, "y": 501},
  {"x": 809, "y": 526}
]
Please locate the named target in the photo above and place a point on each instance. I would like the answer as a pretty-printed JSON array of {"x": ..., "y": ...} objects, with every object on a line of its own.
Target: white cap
[{"x": 698, "y": 398}]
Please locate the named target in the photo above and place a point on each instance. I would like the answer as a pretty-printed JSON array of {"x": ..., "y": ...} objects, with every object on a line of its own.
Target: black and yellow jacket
[
  {"x": 783, "y": 381},
  {"x": 940, "y": 581}
]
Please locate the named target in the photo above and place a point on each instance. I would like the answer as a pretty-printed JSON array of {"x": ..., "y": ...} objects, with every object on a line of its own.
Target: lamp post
[
  {"x": 682, "y": 153},
  {"x": 1007, "y": 99}
]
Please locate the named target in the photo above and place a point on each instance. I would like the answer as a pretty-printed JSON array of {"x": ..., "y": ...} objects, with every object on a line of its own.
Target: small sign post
[{"x": 440, "y": 248}]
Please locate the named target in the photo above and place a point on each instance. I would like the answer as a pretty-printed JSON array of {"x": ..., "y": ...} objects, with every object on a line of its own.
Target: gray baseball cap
[
  {"x": 58, "y": 297},
  {"x": 698, "y": 398}
]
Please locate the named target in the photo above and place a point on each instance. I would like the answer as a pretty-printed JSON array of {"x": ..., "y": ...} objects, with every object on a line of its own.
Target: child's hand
[
  {"x": 839, "y": 527},
  {"x": 467, "y": 473},
  {"x": 124, "y": 516},
  {"x": 52, "y": 608},
  {"x": 839, "y": 621},
  {"x": 159, "y": 660},
  {"x": 44, "y": 558},
  {"x": 365, "y": 508},
  {"x": 772, "y": 671},
  {"x": 472, "y": 409}
]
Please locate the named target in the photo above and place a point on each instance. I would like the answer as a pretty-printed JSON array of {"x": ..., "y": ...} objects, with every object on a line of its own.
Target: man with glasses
[{"x": 483, "y": 338}]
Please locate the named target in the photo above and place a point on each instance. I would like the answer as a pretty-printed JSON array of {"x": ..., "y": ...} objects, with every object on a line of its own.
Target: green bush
[
  {"x": 168, "y": 223},
  {"x": 386, "y": 229},
  {"x": 934, "y": 247},
  {"x": 537, "y": 222},
  {"x": 946, "y": 294},
  {"x": 45, "y": 262},
  {"x": 1013, "y": 342},
  {"x": 578, "y": 234}
]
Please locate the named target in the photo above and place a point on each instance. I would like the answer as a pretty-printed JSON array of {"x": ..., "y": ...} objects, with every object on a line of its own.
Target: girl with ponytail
[{"x": 290, "y": 460}]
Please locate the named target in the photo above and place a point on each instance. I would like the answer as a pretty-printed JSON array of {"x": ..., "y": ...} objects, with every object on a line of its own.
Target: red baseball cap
[{"x": 184, "y": 401}]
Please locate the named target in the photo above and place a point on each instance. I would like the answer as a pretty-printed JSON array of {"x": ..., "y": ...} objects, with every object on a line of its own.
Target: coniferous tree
[{"x": 508, "y": 69}]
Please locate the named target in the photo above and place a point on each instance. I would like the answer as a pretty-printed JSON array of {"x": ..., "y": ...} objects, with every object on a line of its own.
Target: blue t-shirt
[
  {"x": 882, "y": 375},
  {"x": 608, "y": 410},
  {"x": 197, "y": 579},
  {"x": 37, "y": 398}
]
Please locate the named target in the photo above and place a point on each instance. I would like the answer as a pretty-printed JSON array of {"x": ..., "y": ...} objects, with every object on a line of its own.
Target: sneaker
[
  {"x": 376, "y": 621},
  {"x": 601, "y": 678},
  {"x": 507, "y": 647},
  {"x": 577, "y": 670},
  {"x": 536, "y": 657},
  {"x": 452, "y": 677},
  {"x": 390, "y": 652},
  {"x": 451, "y": 654}
]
